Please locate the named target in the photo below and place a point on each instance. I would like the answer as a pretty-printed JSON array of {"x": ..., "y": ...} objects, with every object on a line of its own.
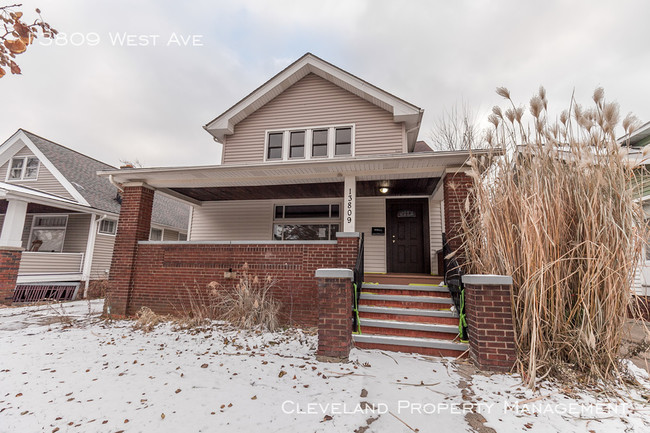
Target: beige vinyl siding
[
  {"x": 102, "y": 255},
  {"x": 371, "y": 212},
  {"x": 76, "y": 234},
  {"x": 435, "y": 232},
  {"x": 233, "y": 220},
  {"x": 45, "y": 182},
  {"x": 315, "y": 102},
  {"x": 50, "y": 263},
  {"x": 170, "y": 235}
]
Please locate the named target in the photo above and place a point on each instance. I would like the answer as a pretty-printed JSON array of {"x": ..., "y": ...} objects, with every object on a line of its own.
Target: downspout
[{"x": 90, "y": 250}]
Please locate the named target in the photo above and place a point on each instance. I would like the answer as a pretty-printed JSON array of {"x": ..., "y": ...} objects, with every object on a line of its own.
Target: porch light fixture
[{"x": 383, "y": 190}]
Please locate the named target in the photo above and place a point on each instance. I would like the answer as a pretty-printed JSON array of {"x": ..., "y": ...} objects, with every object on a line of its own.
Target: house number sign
[{"x": 349, "y": 208}]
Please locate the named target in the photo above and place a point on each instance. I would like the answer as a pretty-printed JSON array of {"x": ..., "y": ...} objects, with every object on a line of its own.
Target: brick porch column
[
  {"x": 456, "y": 188},
  {"x": 490, "y": 325},
  {"x": 347, "y": 249},
  {"x": 9, "y": 264},
  {"x": 334, "y": 314},
  {"x": 133, "y": 226}
]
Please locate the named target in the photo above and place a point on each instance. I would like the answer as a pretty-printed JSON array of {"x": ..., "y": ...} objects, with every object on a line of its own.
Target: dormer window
[
  {"x": 310, "y": 143},
  {"x": 23, "y": 168}
]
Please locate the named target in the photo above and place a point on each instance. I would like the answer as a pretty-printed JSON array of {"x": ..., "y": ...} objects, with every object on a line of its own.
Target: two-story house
[
  {"x": 61, "y": 218},
  {"x": 319, "y": 169}
]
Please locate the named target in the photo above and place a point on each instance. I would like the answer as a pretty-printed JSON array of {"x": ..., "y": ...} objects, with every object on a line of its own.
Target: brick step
[
  {"x": 407, "y": 290},
  {"x": 403, "y": 301},
  {"x": 424, "y": 346},
  {"x": 442, "y": 317},
  {"x": 409, "y": 329}
]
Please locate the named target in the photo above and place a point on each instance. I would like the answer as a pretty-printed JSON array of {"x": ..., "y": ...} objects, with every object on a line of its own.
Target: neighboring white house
[
  {"x": 55, "y": 207},
  {"x": 635, "y": 143}
]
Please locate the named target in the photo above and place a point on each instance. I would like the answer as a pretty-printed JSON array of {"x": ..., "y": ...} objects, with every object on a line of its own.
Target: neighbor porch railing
[
  {"x": 40, "y": 263},
  {"x": 357, "y": 284}
]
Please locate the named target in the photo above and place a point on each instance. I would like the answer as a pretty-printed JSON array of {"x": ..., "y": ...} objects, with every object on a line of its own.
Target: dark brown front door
[{"x": 407, "y": 235}]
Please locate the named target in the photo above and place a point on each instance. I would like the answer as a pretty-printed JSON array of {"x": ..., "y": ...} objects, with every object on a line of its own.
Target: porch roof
[{"x": 184, "y": 182}]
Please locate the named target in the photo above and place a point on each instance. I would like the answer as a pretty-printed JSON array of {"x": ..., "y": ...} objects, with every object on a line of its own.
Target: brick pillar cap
[
  {"x": 334, "y": 273},
  {"x": 347, "y": 235},
  {"x": 6, "y": 248},
  {"x": 487, "y": 280}
]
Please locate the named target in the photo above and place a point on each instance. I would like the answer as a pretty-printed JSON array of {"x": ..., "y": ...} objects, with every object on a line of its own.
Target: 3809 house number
[{"x": 349, "y": 209}]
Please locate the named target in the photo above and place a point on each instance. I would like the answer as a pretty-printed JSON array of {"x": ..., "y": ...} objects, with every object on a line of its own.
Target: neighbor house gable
[{"x": 49, "y": 179}]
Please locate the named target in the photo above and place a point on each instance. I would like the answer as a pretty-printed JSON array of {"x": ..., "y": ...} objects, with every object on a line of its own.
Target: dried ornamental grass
[
  {"x": 249, "y": 303},
  {"x": 558, "y": 215}
]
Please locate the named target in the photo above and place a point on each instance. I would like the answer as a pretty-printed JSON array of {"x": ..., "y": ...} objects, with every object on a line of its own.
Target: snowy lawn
[{"x": 66, "y": 370}]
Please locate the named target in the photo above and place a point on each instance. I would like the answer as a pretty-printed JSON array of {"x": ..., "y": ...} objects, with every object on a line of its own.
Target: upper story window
[
  {"x": 310, "y": 143},
  {"x": 23, "y": 168},
  {"x": 108, "y": 227}
]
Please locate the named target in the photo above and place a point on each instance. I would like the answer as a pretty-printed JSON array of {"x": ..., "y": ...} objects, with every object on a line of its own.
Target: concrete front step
[
  {"x": 425, "y": 346},
  {"x": 409, "y": 329},
  {"x": 403, "y": 301},
  {"x": 402, "y": 278},
  {"x": 443, "y": 317},
  {"x": 407, "y": 290}
]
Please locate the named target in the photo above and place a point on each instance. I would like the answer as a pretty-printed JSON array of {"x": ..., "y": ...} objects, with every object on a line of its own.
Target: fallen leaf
[
  {"x": 254, "y": 397},
  {"x": 162, "y": 416},
  {"x": 282, "y": 373},
  {"x": 177, "y": 391},
  {"x": 204, "y": 365}
]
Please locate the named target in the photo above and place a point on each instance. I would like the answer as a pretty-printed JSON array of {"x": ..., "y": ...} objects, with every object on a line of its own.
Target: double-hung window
[
  {"x": 108, "y": 227},
  {"x": 23, "y": 168}
]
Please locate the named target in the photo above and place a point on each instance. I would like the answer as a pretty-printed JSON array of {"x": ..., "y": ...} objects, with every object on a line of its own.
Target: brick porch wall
[
  {"x": 164, "y": 275},
  {"x": 9, "y": 264},
  {"x": 456, "y": 188}
]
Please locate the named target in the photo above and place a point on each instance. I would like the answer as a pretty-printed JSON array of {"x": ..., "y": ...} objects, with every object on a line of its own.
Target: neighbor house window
[
  {"x": 275, "y": 146},
  {"x": 24, "y": 168},
  {"x": 343, "y": 141},
  {"x": 182, "y": 236},
  {"x": 48, "y": 233},
  {"x": 306, "y": 222},
  {"x": 308, "y": 143},
  {"x": 108, "y": 227},
  {"x": 156, "y": 235}
]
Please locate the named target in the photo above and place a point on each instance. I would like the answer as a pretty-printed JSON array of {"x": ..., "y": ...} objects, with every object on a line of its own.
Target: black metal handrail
[
  {"x": 454, "y": 280},
  {"x": 357, "y": 283}
]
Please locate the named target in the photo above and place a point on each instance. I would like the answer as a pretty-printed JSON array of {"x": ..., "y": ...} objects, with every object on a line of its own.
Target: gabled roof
[
  {"x": 401, "y": 110},
  {"x": 78, "y": 174}
]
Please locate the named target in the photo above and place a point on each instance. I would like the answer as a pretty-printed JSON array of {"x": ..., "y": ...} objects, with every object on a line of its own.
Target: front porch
[
  {"x": 286, "y": 221},
  {"x": 50, "y": 244}
]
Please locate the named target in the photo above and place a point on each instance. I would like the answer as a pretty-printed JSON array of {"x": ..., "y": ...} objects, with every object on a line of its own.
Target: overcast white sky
[{"x": 149, "y": 103}]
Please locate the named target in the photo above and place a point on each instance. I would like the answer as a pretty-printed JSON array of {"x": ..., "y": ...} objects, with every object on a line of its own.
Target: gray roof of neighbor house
[{"x": 99, "y": 192}]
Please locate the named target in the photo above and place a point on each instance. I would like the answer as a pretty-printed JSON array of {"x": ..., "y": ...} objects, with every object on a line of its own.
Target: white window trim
[
  {"x": 99, "y": 225},
  {"x": 331, "y": 145},
  {"x": 22, "y": 178},
  {"x": 64, "y": 228}
]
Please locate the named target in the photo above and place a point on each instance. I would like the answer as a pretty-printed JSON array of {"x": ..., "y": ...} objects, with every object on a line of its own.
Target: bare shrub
[
  {"x": 557, "y": 213},
  {"x": 146, "y": 319},
  {"x": 249, "y": 303}
]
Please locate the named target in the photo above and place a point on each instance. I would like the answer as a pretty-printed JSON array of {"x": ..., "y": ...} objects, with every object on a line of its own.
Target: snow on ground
[{"x": 64, "y": 369}]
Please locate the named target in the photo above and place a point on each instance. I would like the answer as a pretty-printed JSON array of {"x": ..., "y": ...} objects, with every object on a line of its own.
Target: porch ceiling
[{"x": 365, "y": 188}]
